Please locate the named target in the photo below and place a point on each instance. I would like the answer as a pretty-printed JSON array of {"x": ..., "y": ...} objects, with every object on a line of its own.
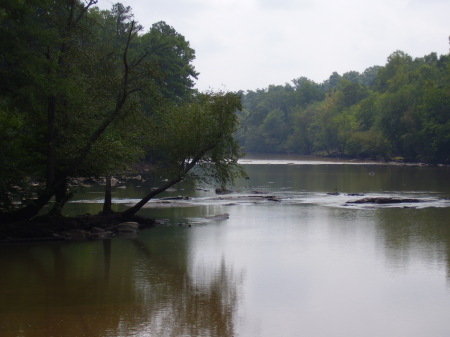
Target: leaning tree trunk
[
  {"x": 107, "y": 204},
  {"x": 61, "y": 198},
  {"x": 184, "y": 170},
  {"x": 133, "y": 210}
]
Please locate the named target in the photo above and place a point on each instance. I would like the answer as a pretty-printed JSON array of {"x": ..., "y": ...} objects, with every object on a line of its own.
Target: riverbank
[
  {"x": 279, "y": 158},
  {"x": 48, "y": 228}
]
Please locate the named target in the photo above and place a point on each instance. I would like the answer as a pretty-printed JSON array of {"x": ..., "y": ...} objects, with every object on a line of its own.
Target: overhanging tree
[{"x": 197, "y": 138}]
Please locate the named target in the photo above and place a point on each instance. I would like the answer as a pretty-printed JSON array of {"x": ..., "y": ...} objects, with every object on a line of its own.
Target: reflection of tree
[
  {"x": 188, "y": 306},
  {"x": 418, "y": 233},
  {"x": 120, "y": 288},
  {"x": 206, "y": 310}
]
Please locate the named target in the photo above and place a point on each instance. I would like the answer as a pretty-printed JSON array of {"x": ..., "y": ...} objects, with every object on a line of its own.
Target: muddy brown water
[{"x": 303, "y": 264}]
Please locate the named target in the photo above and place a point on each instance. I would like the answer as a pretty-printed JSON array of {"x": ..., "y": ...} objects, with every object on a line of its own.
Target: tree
[
  {"x": 392, "y": 76},
  {"x": 369, "y": 76},
  {"x": 350, "y": 93},
  {"x": 35, "y": 63},
  {"x": 435, "y": 133},
  {"x": 197, "y": 135},
  {"x": 173, "y": 55},
  {"x": 307, "y": 92},
  {"x": 324, "y": 128},
  {"x": 332, "y": 82},
  {"x": 275, "y": 128},
  {"x": 98, "y": 95},
  {"x": 301, "y": 139},
  {"x": 76, "y": 89}
]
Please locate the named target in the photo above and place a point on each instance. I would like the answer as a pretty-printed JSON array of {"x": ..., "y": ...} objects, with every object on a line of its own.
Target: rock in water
[
  {"x": 219, "y": 217},
  {"x": 127, "y": 227},
  {"x": 223, "y": 191},
  {"x": 384, "y": 200}
]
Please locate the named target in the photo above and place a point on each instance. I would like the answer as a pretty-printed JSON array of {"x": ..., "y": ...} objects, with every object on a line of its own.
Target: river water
[{"x": 291, "y": 260}]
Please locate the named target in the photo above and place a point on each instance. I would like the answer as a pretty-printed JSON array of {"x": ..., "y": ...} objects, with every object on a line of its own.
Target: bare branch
[
  {"x": 89, "y": 3},
  {"x": 136, "y": 62}
]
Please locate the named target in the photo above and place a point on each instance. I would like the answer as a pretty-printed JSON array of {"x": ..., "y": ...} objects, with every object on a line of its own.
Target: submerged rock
[
  {"x": 179, "y": 197},
  {"x": 334, "y": 193},
  {"x": 218, "y": 217},
  {"x": 272, "y": 198}
]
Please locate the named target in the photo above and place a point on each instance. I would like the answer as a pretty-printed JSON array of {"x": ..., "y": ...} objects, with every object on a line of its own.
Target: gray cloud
[{"x": 249, "y": 44}]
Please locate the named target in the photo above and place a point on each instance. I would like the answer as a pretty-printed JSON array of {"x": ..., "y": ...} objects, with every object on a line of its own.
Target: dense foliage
[
  {"x": 399, "y": 110},
  {"x": 86, "y": 93}
]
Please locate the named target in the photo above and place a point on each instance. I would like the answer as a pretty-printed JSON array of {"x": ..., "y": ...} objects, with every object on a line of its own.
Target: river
[{"x": 290, "y": 260}]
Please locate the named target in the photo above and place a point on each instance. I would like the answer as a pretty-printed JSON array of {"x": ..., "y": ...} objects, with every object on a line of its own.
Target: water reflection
[
  {"x": 312, "y": 266},
  {"x": 114, "y": 288},
  {"x": 350, "y": 178},
  {"x": 409, "y": 234}
]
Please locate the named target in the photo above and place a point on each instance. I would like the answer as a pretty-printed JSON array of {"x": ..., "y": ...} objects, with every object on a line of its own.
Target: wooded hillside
[{"x": 401, "y": 109}]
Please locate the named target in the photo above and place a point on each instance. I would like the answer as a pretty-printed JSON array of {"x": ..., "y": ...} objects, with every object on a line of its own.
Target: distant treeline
[{"x": 399, "y": 110}]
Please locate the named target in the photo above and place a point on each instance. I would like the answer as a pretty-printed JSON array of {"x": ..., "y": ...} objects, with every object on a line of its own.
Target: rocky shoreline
[{"x": 85, "y": 227}]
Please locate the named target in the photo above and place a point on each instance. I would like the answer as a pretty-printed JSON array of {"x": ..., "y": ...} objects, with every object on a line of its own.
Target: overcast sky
[{"x": 250, "y": 44}]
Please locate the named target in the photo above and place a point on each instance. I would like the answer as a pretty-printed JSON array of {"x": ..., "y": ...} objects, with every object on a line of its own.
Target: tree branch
[{"x": 185, "y": 170}]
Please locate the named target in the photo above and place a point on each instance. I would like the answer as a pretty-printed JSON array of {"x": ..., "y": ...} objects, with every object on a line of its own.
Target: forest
[
  {"x": 87, "y": 93},
  {"x": 397, "y": 111}
]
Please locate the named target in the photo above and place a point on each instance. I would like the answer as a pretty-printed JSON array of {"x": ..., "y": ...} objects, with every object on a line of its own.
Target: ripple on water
[{"x": 339, "y": 200}]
